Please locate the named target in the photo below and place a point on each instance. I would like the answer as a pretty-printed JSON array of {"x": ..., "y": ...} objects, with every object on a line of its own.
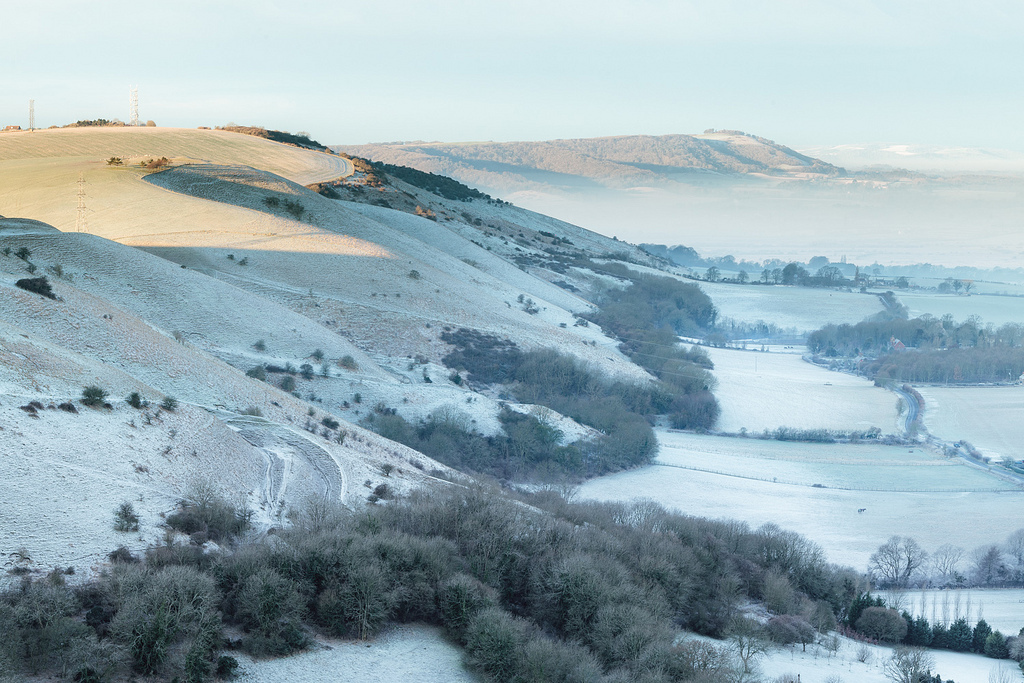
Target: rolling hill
[
  {"x": 620, "y": 161},
  {"x": 223, "y": 262}
]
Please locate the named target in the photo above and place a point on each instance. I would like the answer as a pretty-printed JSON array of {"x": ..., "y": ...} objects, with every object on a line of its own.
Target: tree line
[
  {"x": 872, "y": 618},
  {"x": 901, "y": 563},
  {"x": 937, "y": 349}
]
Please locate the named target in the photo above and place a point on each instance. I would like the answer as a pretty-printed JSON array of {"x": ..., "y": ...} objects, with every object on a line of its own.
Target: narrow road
[
  {"x": 912, "y": 414},
  {"x": 913, "y": 411}
]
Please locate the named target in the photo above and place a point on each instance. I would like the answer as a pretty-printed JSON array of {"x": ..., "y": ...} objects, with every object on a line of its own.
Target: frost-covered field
[
  {"x": 992, "y": 309},
  {"x": 855, "y": 467},
  {"x": 979, "y": 287},
  {"x": 803, "y": 308},
  {"x": 814, "y": 666},
  {"x": 735, "y": 481},
  {"x": 1003, "y": 609},
  {"x": 759, "y": 391},
  {"x": 404, "y": 653},
  {"x": 988, "y": 417}
]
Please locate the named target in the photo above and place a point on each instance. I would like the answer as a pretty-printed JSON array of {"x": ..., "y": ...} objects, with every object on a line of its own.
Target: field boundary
[{"x": 824, "y": 486}]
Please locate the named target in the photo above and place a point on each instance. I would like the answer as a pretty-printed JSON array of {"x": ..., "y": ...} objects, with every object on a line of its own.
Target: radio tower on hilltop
[
  {"x": 133, "y": 105},
  {"x": 80, "y": 218},
  {"x": 31, "y": 114}
]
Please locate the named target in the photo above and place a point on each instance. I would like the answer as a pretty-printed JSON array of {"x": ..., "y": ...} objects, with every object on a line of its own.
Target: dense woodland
[
  {"x": 529, "y": 448},
  {"x": 537, "y": 589},
  {"x": 646, "y": 317}
]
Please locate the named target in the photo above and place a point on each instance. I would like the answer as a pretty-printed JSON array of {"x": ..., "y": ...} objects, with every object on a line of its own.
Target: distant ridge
[{"x": 610, "y": 161}]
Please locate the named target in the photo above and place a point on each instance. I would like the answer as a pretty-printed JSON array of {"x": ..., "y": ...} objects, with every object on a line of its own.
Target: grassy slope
[
  {"x": 119, "y": 306},
  {"x": 68, "y": 472}
]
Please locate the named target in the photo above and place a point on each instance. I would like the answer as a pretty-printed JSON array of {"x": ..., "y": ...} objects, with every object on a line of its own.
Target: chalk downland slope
[
  {"x": 188, "y": 277},
  {"x": 70, "y": 465}
]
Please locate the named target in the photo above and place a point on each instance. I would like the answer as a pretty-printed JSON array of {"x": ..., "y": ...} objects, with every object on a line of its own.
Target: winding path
[{"x": 282, "y": 446}]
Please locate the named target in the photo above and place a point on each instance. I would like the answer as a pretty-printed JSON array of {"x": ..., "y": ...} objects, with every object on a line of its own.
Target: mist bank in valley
[{"x": 729, "y": 193}]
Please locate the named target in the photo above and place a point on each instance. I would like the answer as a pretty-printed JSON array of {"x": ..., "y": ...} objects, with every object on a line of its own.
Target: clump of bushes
[
  {"x": 205, "y": 512},
  {"x": 36, "y": 285},
  {"x": 648, "y": 316},
  {"x": 437, "y": 184},
  {"x": 257, "y": 372},
  {"x": 620, "y": 410},
  {"x": 93, "y": 396},
  {"x": 154, "y": 164},
  {"x": 292, "y": 207},
  {"x": 125, "y": 518}
]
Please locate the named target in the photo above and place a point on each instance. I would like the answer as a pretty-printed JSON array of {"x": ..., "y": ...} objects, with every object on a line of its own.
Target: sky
[{"x": 801, "y": 72}]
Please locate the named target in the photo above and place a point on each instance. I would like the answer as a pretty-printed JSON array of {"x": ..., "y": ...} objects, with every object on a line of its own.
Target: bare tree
[
  {"x": 748, "y": 641},
  {"x": 1014, "y": 548},
  {"x": 831, "y": 643},
  {"x": 908, "y": 664},
  {"x": 1002, "y": 674},
  {"x": 896, "y": 560},
  {"x": 946, "y": 561}
]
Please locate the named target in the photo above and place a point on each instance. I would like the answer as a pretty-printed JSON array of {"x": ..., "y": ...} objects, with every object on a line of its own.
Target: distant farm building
[
  {"x": 8, "y": 129},
  {"x": 896, "y": 344}
]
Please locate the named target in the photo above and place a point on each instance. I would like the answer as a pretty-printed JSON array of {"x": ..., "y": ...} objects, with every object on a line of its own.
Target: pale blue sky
[{"x": 802, "y": 72}]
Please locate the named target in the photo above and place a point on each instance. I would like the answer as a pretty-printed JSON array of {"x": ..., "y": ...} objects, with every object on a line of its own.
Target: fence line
[{"x": 823, "y": 486}]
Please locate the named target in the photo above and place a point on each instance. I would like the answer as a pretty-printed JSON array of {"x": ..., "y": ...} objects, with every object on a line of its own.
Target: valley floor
[
  {"x": 815, "y": 666},
  {"x": 764, "y": 391},
  {"x": 817, "y": 490}
]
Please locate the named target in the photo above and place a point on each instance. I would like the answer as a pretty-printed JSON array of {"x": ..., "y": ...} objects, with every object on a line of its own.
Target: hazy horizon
[{"x": 802, "y": 72}]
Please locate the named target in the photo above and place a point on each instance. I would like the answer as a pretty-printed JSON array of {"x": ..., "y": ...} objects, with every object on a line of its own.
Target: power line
[{"x": 133, "y": 105}]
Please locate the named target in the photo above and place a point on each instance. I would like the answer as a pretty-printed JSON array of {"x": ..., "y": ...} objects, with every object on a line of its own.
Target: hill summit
[{"x": 610, "y": 161}]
